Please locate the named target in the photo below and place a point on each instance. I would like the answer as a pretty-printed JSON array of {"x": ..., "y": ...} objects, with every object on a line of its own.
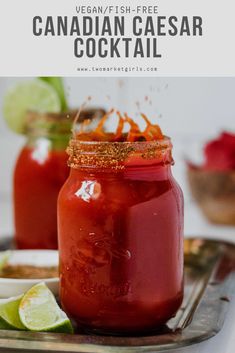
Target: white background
[
  {"x": 191, "y": 110},
  {"x": 210, "y": 55}
]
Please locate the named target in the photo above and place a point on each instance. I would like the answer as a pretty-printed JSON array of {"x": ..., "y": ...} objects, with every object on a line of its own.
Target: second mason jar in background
[{"x": 40, "y": 172}]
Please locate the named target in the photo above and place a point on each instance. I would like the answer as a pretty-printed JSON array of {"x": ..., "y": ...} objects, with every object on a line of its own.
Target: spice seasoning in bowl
[
  {"x": 213, "y": 183},
  {"x": 21, "y": 269}
]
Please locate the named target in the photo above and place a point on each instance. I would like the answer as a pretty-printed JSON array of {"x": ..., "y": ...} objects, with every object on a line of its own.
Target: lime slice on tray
[
  {"x": 35, "y": 95},
  {"x": 9, "y": 314},
  {"x": 39, "y": 311}
]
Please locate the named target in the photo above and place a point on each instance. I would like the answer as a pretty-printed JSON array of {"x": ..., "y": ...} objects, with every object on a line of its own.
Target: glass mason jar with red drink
[
  {"x": 120, "y": 218},
  {"x": 41, "y": 170}
]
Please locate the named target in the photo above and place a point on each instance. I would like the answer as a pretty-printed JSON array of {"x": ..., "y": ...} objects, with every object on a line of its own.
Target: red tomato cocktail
[
  {"x": 120, "y": 219},
  {"x": 41, "y": 170},
  {"x": 37, "y": 183}
]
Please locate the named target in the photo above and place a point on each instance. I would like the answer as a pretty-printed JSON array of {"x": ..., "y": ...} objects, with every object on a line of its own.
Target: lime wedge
[
  {"x": 58, "y": 85},
  {"x": 9, "y": 314},
  {"x": 39, "y": 311},
  {"x": 33, "y": 95}
]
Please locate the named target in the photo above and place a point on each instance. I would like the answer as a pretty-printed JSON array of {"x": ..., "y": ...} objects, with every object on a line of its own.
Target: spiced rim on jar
[
  {"x": 58, "y": 123},
  {"x": 106, "y": 150}
]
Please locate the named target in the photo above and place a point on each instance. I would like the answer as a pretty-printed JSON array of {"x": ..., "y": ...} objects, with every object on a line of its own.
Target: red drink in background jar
[
  {"x": 40, "y": 172},
  {"x": 120, "y": 219}
]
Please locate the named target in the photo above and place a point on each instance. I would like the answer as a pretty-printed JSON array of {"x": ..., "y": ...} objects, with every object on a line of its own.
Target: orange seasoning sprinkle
[{"x": 152, "y": 132}]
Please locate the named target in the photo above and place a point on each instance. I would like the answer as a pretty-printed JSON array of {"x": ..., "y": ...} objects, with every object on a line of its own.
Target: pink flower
[{"x": 220, "y": 153}]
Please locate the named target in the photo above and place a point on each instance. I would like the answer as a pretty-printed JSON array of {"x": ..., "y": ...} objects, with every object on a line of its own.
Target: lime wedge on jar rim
[
  {"x": 39, "y": 311},
  {"x": 9, "y": 314},
  {"x": 34, "y": 95}
]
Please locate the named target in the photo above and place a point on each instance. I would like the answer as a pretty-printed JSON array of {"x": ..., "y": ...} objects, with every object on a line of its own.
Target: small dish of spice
[
  {"x": 21, "y": 269},
  {"x": 212, "y": 183}
]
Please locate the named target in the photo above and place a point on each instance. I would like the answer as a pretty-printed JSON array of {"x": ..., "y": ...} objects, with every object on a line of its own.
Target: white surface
[
  {"x": 38, "y": 258},
  {"x": 197, "y": 225}
]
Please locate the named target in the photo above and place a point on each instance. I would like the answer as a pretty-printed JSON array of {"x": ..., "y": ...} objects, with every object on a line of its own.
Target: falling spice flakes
[
  {"x": 147, "y": 100},
  {"x": 121, "y": 83}
]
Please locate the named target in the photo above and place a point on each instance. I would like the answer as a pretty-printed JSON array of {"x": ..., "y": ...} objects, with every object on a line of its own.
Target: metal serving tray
[{"x": 209, "y": 283}]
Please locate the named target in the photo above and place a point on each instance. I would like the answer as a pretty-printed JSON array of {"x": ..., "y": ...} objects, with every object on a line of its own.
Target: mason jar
[
  {"x": 120, "y": 224},
  {"x": 41, "y": 169}
]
